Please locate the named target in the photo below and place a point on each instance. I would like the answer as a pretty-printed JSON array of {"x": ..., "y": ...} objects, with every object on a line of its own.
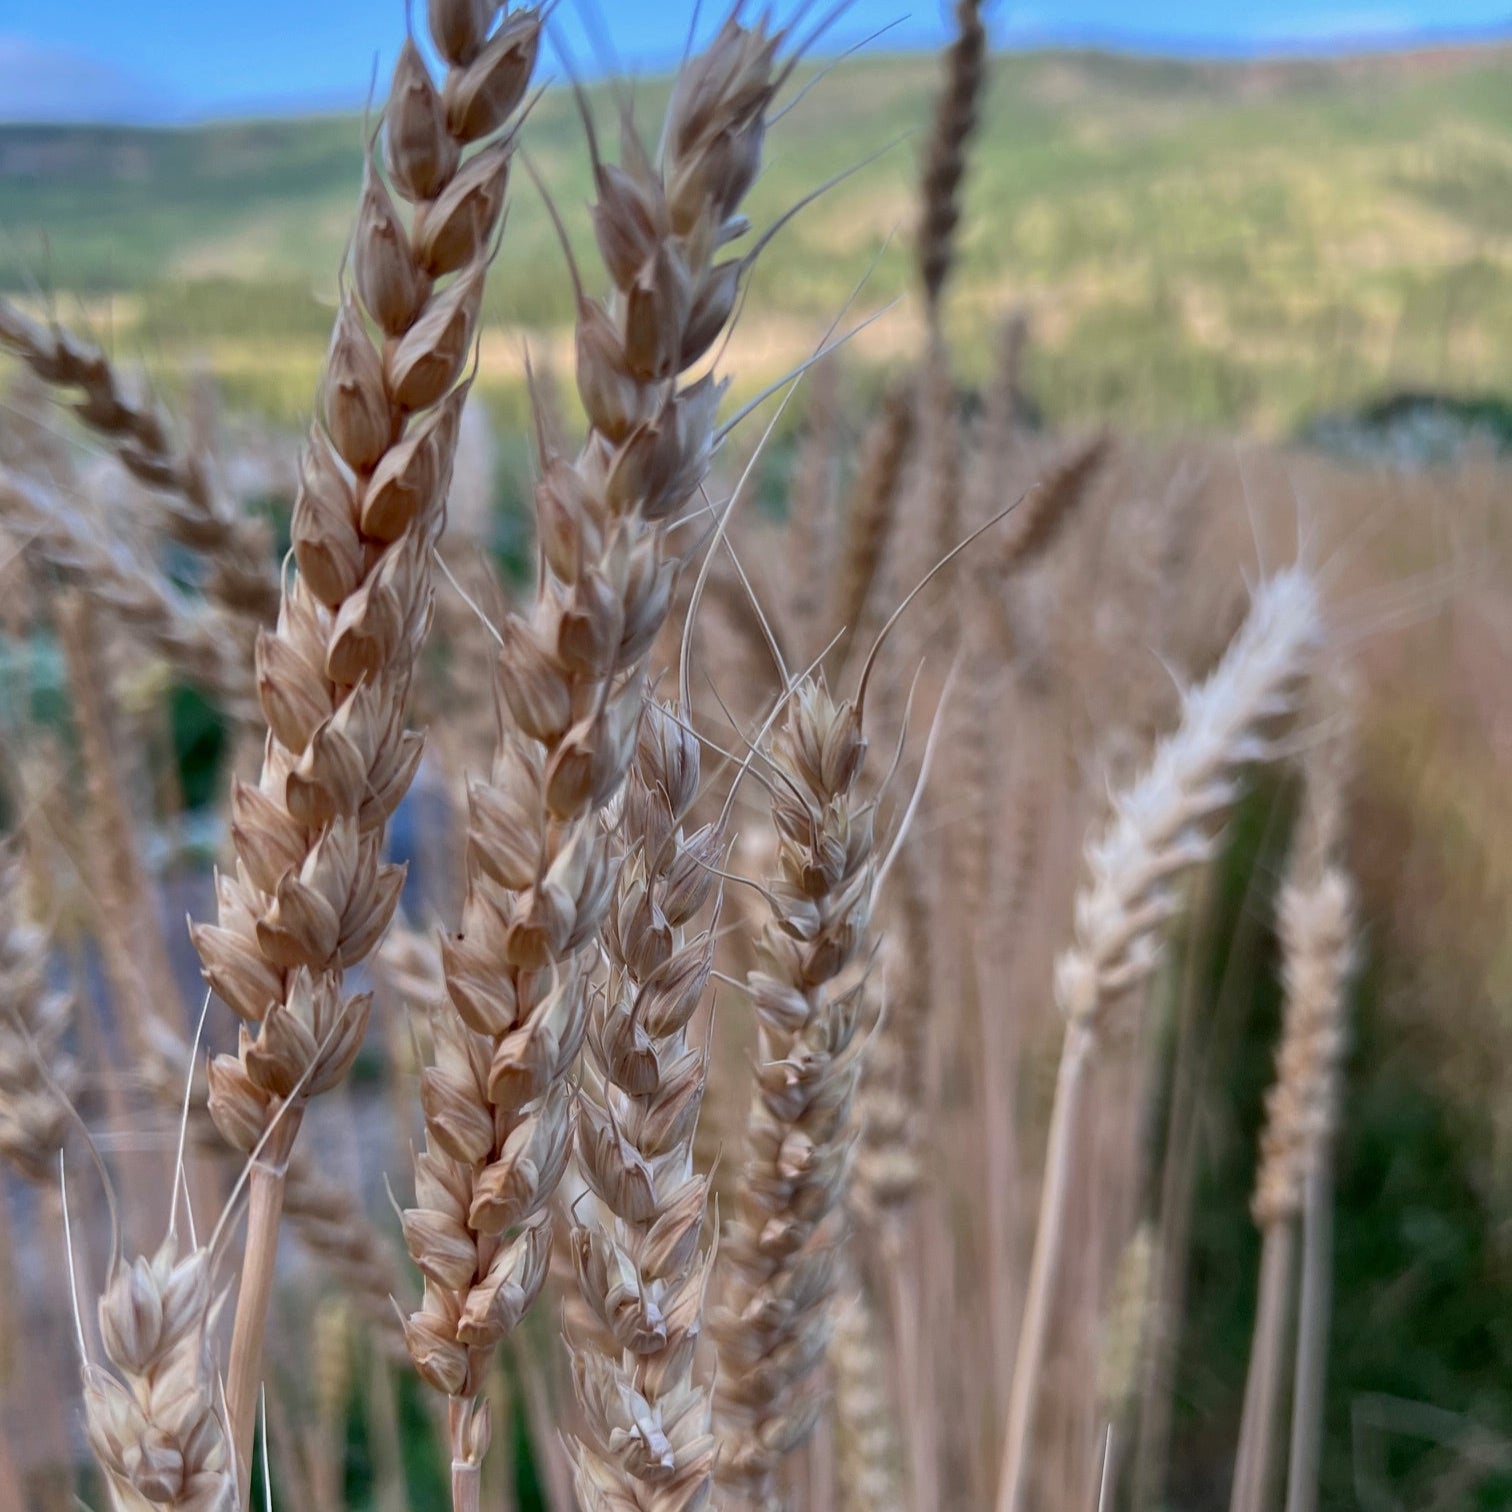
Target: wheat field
[{"x": 772, "y": 924}]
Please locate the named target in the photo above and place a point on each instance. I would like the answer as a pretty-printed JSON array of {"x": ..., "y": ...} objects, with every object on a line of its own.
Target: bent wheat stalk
[
  {"x": 571, "y": 684},
  {"x": 310, "y": 896},
  {"x": 199, "y": 510},
  {"x": 1160, "y": 829}
]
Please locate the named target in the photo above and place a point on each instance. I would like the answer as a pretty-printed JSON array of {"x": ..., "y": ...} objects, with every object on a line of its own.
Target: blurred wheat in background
[{"x": 805, "y": 888}]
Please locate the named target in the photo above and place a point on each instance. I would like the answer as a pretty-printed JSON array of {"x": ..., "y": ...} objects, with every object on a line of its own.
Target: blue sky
[{"x": 187, "y": 59}]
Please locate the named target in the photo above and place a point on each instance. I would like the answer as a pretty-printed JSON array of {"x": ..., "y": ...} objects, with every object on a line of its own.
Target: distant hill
[{"x": 1209, "y": 243}]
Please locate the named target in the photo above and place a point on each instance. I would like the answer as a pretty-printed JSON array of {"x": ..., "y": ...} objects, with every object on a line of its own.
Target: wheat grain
[
  {"x": 1316, "y": 928},
  {"x": 866, "y": 1428},
  {"x": 195, "y": 642},
  {"x": 871, "y": 508},
  {"x": 954, "y": 123}
]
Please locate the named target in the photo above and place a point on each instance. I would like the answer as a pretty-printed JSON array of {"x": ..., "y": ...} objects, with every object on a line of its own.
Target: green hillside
[{"x": 1197, "y": 243}]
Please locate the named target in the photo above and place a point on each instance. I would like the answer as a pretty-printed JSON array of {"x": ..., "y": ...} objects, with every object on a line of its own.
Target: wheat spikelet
[
  {"x": 199, "y": 509},
  {"x": 124, "y": 914},
  {"x": 33, "y": 1020},
  {"x": 889, "y": 1099},
  {"x": 572, "y": 680},
  {"x": 945, "y": 160},
  {"x": 1163, "y": 825},
  {"x": 1160, "y": 828},
  {"x": 780, "y": 1248},
  {"x": 154, "y": 1421},
  {"x": 639, "y": 1264},
  {"x": 310, "y": 896}
]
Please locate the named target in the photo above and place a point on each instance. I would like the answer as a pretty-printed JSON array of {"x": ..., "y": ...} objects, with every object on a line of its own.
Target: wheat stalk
[
  {"x": 1161, "y": 828},
  {"x": 310, "y": 896},
  {"x": 199, "y": 509},
  {"x": 572, "y": 681},
  {"x": 781, "y": 1247}
]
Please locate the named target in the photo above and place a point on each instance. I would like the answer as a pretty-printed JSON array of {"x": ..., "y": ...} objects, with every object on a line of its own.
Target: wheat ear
[
  {"x": 155, "y": 1421},
  {"x": 812, "y": 510},
  {"x": 572, "y": 682},
  {"x": 781, "y": 1248},
  {"x": 871, "y": 509},
  {"x": 640, "y": 1264},
  {"x": 310, "y": 896},
  {"x": 329, "y": 1223},
  {"x": 945, "y": 160},
  {"x": 199, "y": 509},
  {"x": 33, "y": 1020},
  {"x": 1315, "y": 911},
  {"x": 1160, "y": 828}
]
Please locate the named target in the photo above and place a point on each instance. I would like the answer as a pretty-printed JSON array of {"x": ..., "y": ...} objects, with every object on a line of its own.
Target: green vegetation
[{"x": 1198, "y": 244}]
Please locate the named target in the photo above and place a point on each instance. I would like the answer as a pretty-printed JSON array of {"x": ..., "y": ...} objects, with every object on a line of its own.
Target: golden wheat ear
[
  {"x": 571, "y": 674},
  {"x": 311, "y": 896}
]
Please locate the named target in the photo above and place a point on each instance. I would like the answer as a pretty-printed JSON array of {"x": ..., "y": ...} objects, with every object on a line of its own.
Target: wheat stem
[
  {"x": 1049, "y": 1244},
  {"x": 1306, "y": 1454},
  {"x": 1254, "y": 1466},
  {"x": 265, "y": 1200}
]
